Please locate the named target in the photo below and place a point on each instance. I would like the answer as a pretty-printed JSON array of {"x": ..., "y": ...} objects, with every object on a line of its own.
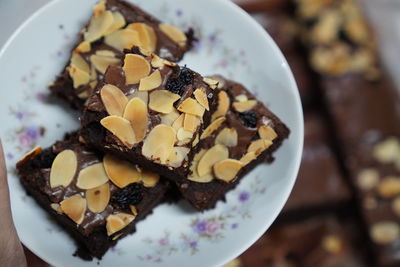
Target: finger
[{"x": 4, "y": 194}]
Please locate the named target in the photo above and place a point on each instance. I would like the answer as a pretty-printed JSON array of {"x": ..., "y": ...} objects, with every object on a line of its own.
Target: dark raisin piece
[
  {"x": 175, "y": 85},
  {"x": 249, "y": 118},
  {"x": 129, "y": 195},
  {"x": 186, "y": 76}
]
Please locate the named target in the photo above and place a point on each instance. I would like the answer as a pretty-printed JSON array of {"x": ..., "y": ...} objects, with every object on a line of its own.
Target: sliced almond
[
  {"x": 83, "y": 47},
  {"x": 183, "y": 135},
  {"x": 201, "y": 97},
  {"x": 114, "y": 99},
  {"x": 223, "y": 105},
  {"x": 267, "y": 133},
  {"x": 163, "y": 101},
  {"x": 157, "y": 62},
  {"x": 133, "y": 210},
  {"x": 385, "y": 232},
  {"x": 159, "y": 143},
  {"x": 389, "y": 187},
  {"x": 147, "y": 35},
  {"x": 99, "y": 8},
  {"x": 149, "y": 179},
  {"x": 120, "y": 172},
  {"x": 212, "y": 127},
  {"x": 36, "y": 151},
  {"x": 117, "y": 222},
  {"x": 135, "y": 67},
  {"x": 368, "y": 179},
  {"x": 211, "y": 82},
  {"x": 142, "y": 95},
  {"x": 92, "y": 86},
  {"x": 150, "y": 82},
  {"x": 118, "y": 23},
  {"x": 191, "y": 123},
  {"x": 98, "y": 26},
  {"x": 92, "y": 176},
  {"x": 101, "y": 63},
  {"x": 78, "y": 76},
  {"x": 244, "y": 106},
  {"x": 136, "y": 113},
  {"x": 122, "y": 39},
  {"x": 170, "y": 118},
  {"x": 144, "y": 52},
  {"x": 63, "y": 168},
  {"x": 227, "y": 137},
  {"x": 226, "y": 170},
  {"x": 178, "y": 123},
  {"x": 98, "y": 198},
  {"x": 105, "y": 53},
  {"x": 79, "y": 62},
  {"x": 174, "y": 34},
  {"x": 241, "y": 98},
  {"x": 85, "y": 94},
  {"x": 191, "y": 106},
  {"x": 121, "y": 128},
  {"x": 248, "y": 157},
  {"x": 56, "y": 207},
  {"x": 194, "y": 176},
  {"x": 259, "y": 146},
  {"x": 74, "y": 207},
  {"x": 196, "y": 140},
  {"x": 93, "y": 74},
  {"x": 212, "y": 156},
  {"x": 177, "y": 156}
]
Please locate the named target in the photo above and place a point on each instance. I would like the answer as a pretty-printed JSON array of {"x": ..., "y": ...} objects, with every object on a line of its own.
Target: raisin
[
  {"x": 129, "y": 195},
  {"x": 186, "y": 76},
  {"x": 249, "y": 118},
  {"x": 176, "y": 85}
]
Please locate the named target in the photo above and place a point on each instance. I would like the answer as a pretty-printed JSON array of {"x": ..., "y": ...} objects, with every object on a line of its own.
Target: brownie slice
[
  {"x": 243, "y": 134},
  {"x": 114, "y": 26},
  {"x": 96, "y": 198},
  {"x": 154, "y": 121}
]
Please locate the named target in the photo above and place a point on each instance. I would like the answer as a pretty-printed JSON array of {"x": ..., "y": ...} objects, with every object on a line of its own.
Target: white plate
[{"x": 232, "y": 44}]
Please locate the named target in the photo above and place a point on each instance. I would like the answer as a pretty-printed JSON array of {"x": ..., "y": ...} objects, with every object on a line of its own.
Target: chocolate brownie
[
  {"x": 114, "y": 26},
  {"x": 243, "y": 134},
  {"x": 321, "y": 241},
  {"x": 97, "y": 198},
  {"x": 319, "y": 183},
  {"x": 151, "y": 112}
]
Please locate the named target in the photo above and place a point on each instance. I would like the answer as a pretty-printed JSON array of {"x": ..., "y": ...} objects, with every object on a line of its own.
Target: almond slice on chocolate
[
  {"x": 157, "y": 62},
  {"x": 120, "y": 172},
  {"x": 170, "y": 118},
  {"x": 226, "y": 170},
  {"x": 212, "y": 127},
  {"x": 79, "y": 62},
  {"x": 149, "y": 178},
  {"x": 135, "y": 67},
  {"x": 147, "y": 35},
  {"x": 114, "y": 99},
  {"x": 183, "y": 136},
  {"x": 223, "y": 105},
  {"x": 63, "y": 168},
  {"x": 99, "y": 8},
  {"x": 163, "y": 101},
  {"x": 244, "y": 106},
  {"x": 248, "y": 157},
  {"x": 92, "y": 176},
  {"x": 174, "y": 34},
  {"x": 201, "y": 97},
  {"x": 101, "y": 63},
  {"x": 122, "y": 39},
  {"x": 83, "y": 47},
  {"x": 136, "y": 113},
  {"x": 117, "y": 222},
  {"x": 267, "y": 133},
  {"x": 194, "y": 176},
  {"x": 142, "y": 95},
  {"x": 215, "y": 154},
  {"x": 98, "y": 26},
  {"x": 36, "y": 151},
  {"x": 74, "y": 207},
  {"x": 121, "y": 128},
  {"x": 241, "y": 98},
  {"x": 177, "y": 156},
  {"x": 227, "y": 137},
  {"x": 98, "y": 198},
  {"x": 118, "y": 23},
  {"x": 191, "y": 123},
  {"x": 259, "y": 145},
  {"x": 211, "y": 82},
  {"x": 191, "y": 106},
  {"x": 150, "y": 82},
  {"x": 159, "y": 143},
  {"x": 178, "y": 123},
  {"x": 78, "y": 76}
]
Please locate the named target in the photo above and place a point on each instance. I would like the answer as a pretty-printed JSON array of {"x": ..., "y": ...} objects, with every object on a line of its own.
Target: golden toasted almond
[
  {"x": 150, "y": 82},
  {"x": 74, "y": 207},
  {"x": 92, "y": 86},
  {"x": 201, "y": 97},
  {"x": 183, "y": 136},
  {"x": 120, "y": 172},
  {"x": 92, "y": 176},
  {"x": 259, "y": 146},
  {"x": 387, "y": 151},
  {"x": 136, "y": 113},
  {"x": 105, "y": 53},
  {"x": 212, "y": 127},
  {"x": 121, "y": 128},
  {"x": 177, "y": 156},
  {"x": 98, "y": 198},
  {"x": 122, "y": 39},
  {"x": 159, "y": 143},
  {"x": 178, "y": 123},
  {"x": 248, "y": 157},
  {"x": 117, "y": 222},
  {"x": 385, "y": 232},
  {"x": 78, "y": 76},
  {"x": 191, "y": 123},
  {"x": 85, "y": 94},
  {"x": 389, "y": 187},
  {"x": 83, "y": 47},
  {"x": 332, "y": 244},
  {"x": 133, "y": 210},
  {"x": 226, "y": 170},
  {"x": 63, "y": 168},
  {"x": 99, "y": 8},
  {"x": 142, "y": 95},
  {"x": 114, "y": 99},
  {"x": 118, "y": 23},
  {"x": 191, "y": 106},
  {"x": 135, "y": 67},
  {"x": 93, "y": 74},
  {"x": 163, "y": 101},
  {"x": 98, "y": 26},
  {"x": 267, "y": 133},
  {"x": 101, "y": 63},
  {"x": 367, "y": 179},
  {"x": 241, "y": 98},
  {"x": 56, "y": 207},
  {"x": 212, "y": 156},
  {"x": 149, "y": 178},
  {"x": 174, "y": 34},
  {"x": 144, "y": 52},
  {"x": 36, "y": 151},
  {"x": 396, "y": 206},
  {"x": 194, "y": 176},
  {"x": 211, "y": 82},
  {"x": 80, "y": 63},
  {"x": 157, "y": 62},
  {"x": 147, "y": 36},
  {"x": 227, "y": 137},
  {"x": 244, "y": 106},
  {"x": 170, "y": 118},
  {"x": 196, "y": 140},
  {"x": 223, "y": 105}
]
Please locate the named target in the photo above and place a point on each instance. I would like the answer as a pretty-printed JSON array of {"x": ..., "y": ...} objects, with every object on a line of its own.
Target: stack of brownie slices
[
  {"x": 345, "y": 207},
  {"x": 141, "y": 111}
]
